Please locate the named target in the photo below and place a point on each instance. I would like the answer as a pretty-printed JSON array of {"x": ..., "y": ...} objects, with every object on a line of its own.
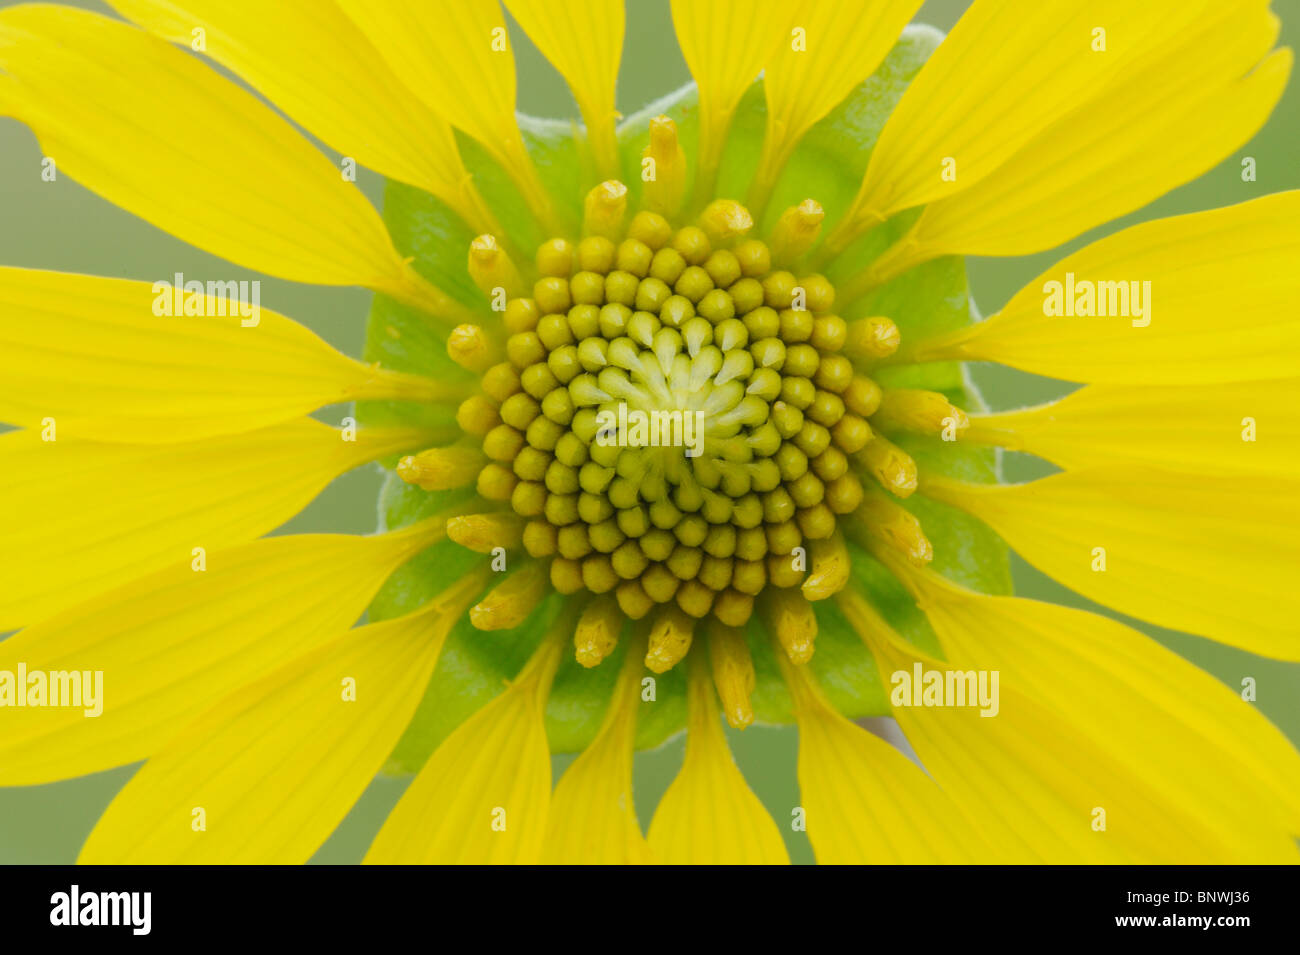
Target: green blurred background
[{"x": 61, "y": 226}]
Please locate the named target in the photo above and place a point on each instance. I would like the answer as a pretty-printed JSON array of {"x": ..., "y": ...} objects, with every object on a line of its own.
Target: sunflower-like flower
[{"x": 678, "y": 429}]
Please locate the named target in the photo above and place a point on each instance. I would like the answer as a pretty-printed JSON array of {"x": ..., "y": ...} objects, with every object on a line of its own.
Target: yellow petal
[
  {"x": 593, "y": 819},
  {"x": 968, "y": 111},
  {"x": 867, "y": 803},
  {"x": 1165, "y": 719},
  {"x": 153, "y": 130},
  {"x": 308, "y": 58},
  {"x": 841, "y": 44},
  {"x": 709, "y": 815},
  {"x": 583, "y": 39},
  {"x": 1206, "y": 555},
  {"x": 1032, "y": 784},
  {"x": 170, "y": 644},
  {"x": 276, "y": 765},
  {"x": 91, "y": 358},
  {"x": 725, "y": 43},
  {"x": 1219, "y": 305},
  {"x": 1244, "y": 428},
  {"x": 1186, "y": 111},
  {"x": 83, "y": 517},
  {"x": 456, "y": 57},
  {"x": 482, "y": 798}
]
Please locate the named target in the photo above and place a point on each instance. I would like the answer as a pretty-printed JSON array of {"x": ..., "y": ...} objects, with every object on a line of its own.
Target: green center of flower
[{"x": 676, "y": 416}]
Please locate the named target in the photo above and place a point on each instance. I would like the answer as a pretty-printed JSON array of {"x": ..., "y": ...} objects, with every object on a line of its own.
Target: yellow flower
[{"x": 670, "y": 439}]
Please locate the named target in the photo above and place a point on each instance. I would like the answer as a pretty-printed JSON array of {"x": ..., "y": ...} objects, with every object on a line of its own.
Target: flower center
[{"x": 676, "y": 414}]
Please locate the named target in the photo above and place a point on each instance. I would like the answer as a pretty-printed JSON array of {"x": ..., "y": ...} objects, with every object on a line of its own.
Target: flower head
[{"x": 677, "y": 432}]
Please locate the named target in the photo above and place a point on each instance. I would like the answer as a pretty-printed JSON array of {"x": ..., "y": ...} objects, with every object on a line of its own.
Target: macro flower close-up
[{"x": 685, "y": 428}]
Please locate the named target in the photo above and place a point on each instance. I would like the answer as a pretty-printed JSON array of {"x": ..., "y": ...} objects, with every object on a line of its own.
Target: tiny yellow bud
[
  {"x": 796, "y": 231},
  {"x": 870, "y": 338},
  {"x": 725, "y": 221},
  {"x": 879, "y": 517},
  {"x": 483, "y": 532},
  {"x": 830, "y": 568},
  {"x": 890, "y": 465},
  {"x": 470, "y": 347},
  {"x": 597, "y": 631},
  {"x": 927, "y": 412},
  {"x": 441, "y": 469},
  {"x": 733, "y": 673},
  {"x": 791, "y": 617},
  {"x": 491, "y": 268},
  {"x": 670, "y": 638},
  {"x": 510, "y": 602},
  {"x": 664, "y": 174},
  {"x": 603, "y": 210}
]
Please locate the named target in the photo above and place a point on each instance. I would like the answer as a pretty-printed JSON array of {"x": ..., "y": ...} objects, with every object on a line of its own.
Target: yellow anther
[
  {"x": 540, "y": 538},
  {"x": 566, "y": 575},
  {"x": 890, "y": 465},
  {"x": 482, "y": 533},
  {"x": 862, "y": 396},
  {"x": 495, "y": 482},
  {"x": 733, "y": 673},
  {"x": 883, "y": 519},
  {"x": 927, "y": 412},
  {"x": 650, "y": 228},
  {"x": 477, "y": 415},
  {"x": 670, "y": 638},
  {"x": 791, "y": 618},
  {"x": 633, "y": 600},
  {"x": 663, "y": 168},
  {"x": 491, "y": 268},
  {"x": 830, "y": 568},
  {"x": 795, "y": 232},
  {"x": 603, "y": 210},
  {"x": 725, "y": 221},
  {"x": 509, "y": 603},
  {"x": 555, "y": 259},
  {"x": 733, "y": 608},
  {"x": 598, "y": 630},
  {"x": 472, "y": 348},
  {"x": 441, "y": 469},
  {"x": 871, "y": 338}
]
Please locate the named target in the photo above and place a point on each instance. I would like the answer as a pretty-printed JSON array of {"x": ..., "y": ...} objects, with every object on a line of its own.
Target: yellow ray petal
[
  {"x": 90, "y": 357},
  {"x": 725, "y": 43},
  {"x": 967, "y": 111},
  {"x": 1185, "y": 112},
  {"x": 592, "y": 820},
  {"x": 841, "y": 44},
  {"x": 709, "y": 815},
  {"x": 308, "y": 58},
  {"x": 1211, "y": 556},
  {"x": 1205, "y": 748},
  {"x": 170, "y": 644},
  {"x": 153, "y": 130},
  {"x": 83, "y": 517},
  {"x": 482, "y": 798},
  {"x": 455, "y": 56},
  {"x": 1031, "y": 783},
  {"x": 1244, "y": 428},
  {"x": 866, "y": 802},
  {"x": 276, "y": 765},
  {"x": 1219, "y": 306},
  {"x": 583, "y": 39}
]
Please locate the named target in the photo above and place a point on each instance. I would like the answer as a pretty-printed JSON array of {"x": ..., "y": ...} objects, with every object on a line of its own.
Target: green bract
[{"x": 827, "y": 166}]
